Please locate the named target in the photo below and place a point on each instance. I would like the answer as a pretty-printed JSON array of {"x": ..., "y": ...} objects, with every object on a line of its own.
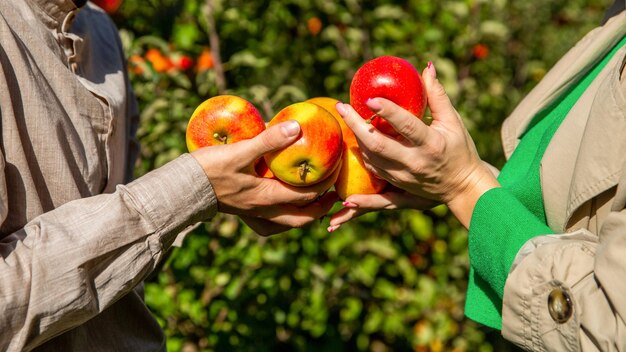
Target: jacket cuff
[
  {"x": 174, "y": 196},
  {"x": 540, "y": 306}
]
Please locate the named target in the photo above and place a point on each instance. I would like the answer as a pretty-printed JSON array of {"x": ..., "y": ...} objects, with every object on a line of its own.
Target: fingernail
[
  {"x": 340, "y": 108},
  {"x": 374, "y": 104},
  {"x": 290, "y": 128},
  {"x": 350, "y": 205},
  {"x": 431, "y": 69},
  {"x": 332, "y": 228}
]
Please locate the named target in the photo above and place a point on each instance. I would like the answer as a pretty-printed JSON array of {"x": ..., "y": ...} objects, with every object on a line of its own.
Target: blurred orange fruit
[
  {"x": 205, "y": 60},
  {"x": 314, "y": 24},
  {"x": 160, "y": 62}
]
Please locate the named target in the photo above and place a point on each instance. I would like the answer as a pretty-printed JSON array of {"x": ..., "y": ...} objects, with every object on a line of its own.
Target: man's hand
[{"x": 267, "y": 205}]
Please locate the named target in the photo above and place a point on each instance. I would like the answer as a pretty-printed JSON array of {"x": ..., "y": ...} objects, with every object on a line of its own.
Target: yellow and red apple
[
  {"x": 223, "y": 119},
  {"x": 392, "y": 78},
  {"x": 353, "y": 177},
  {"x": 316, "y": 154}
]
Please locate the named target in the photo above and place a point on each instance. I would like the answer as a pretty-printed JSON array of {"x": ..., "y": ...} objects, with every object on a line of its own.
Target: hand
[
  {"x": 268, "y": 205},
  {"x": 393, "y": 198},
  {"x": 437, "y": 162}
]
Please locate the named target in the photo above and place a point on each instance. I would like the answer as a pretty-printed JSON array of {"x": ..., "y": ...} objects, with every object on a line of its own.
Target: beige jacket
[{"x": 567, "y": 292}]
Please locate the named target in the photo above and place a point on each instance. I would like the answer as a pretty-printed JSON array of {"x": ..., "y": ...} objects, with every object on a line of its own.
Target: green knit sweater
[{"x": 505, "y": 218}]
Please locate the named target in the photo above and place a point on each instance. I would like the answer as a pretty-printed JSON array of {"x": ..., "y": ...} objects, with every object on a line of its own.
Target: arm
[
  {"x": 583, "y": 272},
  {"x": 500, "y": 225},
  {"x": 71, "y": 263}
]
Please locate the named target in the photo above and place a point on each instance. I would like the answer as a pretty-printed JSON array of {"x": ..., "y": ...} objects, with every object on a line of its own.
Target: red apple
[
  {"x": 110, "y": 6},
  {"x": 353, "y": 177},
  {"x": 392, "y": 78},
  {"x": 316, "y": 154},
  {"x": 223, "y": 119}
]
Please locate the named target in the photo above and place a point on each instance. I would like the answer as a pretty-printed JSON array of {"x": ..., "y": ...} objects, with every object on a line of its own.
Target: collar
[
  {"x": 55, "y": 14},
  {"x": 617, "y": 7}
]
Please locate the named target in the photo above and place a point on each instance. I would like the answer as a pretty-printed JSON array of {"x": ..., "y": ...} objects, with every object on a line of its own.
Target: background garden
[{"x": 389, "y": 281}]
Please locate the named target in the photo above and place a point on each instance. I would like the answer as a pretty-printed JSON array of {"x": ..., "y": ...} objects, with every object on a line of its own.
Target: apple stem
[
  {"x": 368, "y": 121},
  {"x": 303, "y": 170},
  {"x": 220, "y": 137}
]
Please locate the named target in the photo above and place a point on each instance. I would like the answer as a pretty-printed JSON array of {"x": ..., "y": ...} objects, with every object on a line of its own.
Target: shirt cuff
[
  {"x": 500, "y": 226},
  {"x": 175, "y": 196}
]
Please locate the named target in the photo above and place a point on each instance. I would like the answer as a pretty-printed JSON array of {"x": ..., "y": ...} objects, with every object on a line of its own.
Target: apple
[
  {"x": 392, "y": 78},
  {"x": 160, "y": 62},
  {"x": 109, "y": 6},
  {"x": 316, "y": 154},
  {"x": 223, "y": 119},
  {"x": 353, "y": 177},
  {"x": 262, "y": 170}
]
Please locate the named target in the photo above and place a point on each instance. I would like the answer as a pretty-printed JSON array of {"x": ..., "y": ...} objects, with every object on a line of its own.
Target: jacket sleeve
[
  {"x": 67, "y": 265},
  {"x": 566, "y": 292}
]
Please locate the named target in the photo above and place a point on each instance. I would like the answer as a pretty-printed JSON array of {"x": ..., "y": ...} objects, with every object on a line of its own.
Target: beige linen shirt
[{"x": 74, "y": 241}]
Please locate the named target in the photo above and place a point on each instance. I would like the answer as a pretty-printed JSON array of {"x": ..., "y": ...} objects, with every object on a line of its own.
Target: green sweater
[{"x": 505, "y": 218}]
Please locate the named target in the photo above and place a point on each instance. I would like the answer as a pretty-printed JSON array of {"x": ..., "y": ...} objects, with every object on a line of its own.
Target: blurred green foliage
[{"x": 390, "y": 281}]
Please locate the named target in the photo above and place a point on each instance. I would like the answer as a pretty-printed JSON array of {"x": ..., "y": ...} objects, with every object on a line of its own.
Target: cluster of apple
[{"x": 326, "y": 146}]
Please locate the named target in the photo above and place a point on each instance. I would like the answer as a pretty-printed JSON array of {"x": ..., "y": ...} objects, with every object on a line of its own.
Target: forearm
[{"x": 67, "y": 265}]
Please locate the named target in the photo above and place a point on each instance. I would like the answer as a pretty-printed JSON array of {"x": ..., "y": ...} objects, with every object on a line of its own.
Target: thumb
[
  {"x": 276, "y": 137},
  {"x": 439, "y": 103}
]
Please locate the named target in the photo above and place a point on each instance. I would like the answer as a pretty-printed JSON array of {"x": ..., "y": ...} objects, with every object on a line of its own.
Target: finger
[
  {"x": 404, "y": 122},
  {"x": 368, "y": 137},
  {"x": 294, "y": 216},
  {"x": 275, "y": 137},
  {"x": 359, "y": 204},
  {"x": 264, "y": 227},
  {"x": 343, "y": 216},
  {"x": 390, "y": 200},
  {"x": 439, "y": 103},
  {"x": 356, "y": 123}
]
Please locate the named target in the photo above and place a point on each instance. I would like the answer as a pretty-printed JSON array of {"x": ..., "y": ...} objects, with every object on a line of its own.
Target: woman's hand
[
  {"x": 392, "y": 198},
  {"x": 437, "y": 162},
  {"x": 269, "y": 206}
]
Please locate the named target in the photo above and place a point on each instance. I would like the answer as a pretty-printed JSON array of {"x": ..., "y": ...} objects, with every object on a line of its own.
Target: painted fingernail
[
  {"x": 340, "y": 108},
  {"x": 332, "y": 228},
  {"x": 431, "y": 69},
  {"x": 350, "y": 205},
  {"x": 290, "y": 128},
  {"x": 374, "y": 104}
]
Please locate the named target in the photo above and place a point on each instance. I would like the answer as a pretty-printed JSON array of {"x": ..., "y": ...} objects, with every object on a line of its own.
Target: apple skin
[
  {"x": 223, "y": 119},
  {"x": 392, "y": 78},
  {"x": 316, "y": 154},
  {"x": 353, "y": 177},
  {"x": 109, "y": 6},
  {"x": 262, "y": 170}
]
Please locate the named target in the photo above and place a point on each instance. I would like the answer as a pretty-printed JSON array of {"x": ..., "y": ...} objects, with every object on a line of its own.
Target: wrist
[{"x": 462, "y": 203}]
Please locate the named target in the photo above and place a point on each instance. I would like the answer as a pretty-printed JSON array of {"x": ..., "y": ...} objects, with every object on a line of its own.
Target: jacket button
[{"x": 560, "y": 305}]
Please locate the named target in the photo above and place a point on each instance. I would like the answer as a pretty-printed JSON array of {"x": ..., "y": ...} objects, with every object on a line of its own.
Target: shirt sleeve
[
  {"x": 67, "y": 265},
  {"x": 500, "y": 226}
]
